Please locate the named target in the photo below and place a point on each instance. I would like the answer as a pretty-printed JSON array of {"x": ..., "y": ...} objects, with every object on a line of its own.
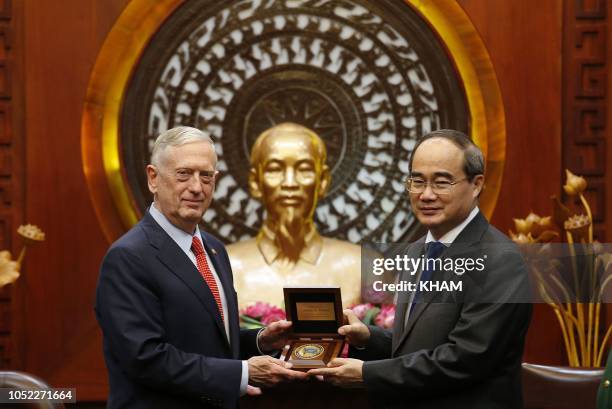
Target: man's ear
[
  {"x": 325, "y": 180},
  {"x": 478, "y": 182},
  {"x": 152, "y": 178},
  {"x": 254, "y": 188}
]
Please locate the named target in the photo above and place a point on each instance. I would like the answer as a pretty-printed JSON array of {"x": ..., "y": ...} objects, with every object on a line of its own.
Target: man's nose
[
  {"x": 195, "y": 185},
  {"x": 428, "y": 193},
  {"x": 289, "y": 178}
]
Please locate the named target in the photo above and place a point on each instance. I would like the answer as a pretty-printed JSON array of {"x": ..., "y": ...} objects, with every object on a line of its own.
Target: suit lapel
[
  {"x": 419, "y": 308},
  {"x": 470, "y": 235},
  {"x": 413, "y": 251},
  {"x": 170, "y": 254}
]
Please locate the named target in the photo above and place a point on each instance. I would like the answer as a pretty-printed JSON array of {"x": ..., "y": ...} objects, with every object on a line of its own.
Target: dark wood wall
[
  {"x": 47, "y": 325},
  {"x": 524, "y": 40},
  {"x": 60, "y": 340}
]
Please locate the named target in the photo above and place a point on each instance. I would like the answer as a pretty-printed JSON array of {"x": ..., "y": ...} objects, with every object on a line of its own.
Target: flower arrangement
[
  {"x": 260, "y": 314},
  {"x": 576, "y": 298},
  {"x": 381, "y": 315}
]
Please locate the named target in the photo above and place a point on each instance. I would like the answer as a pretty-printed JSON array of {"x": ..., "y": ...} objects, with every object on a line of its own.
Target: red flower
[
  {"x": 386, "y": 316},
  {"x": 263, "y": 312},
  {"x": 273, "y": 317},
  {"x": 360, "y": 310},
  {"x": 257, "y": 310}
]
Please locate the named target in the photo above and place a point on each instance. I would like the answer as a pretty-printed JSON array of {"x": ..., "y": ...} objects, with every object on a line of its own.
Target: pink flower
[
  {"x": 273, "y": 317},
  {"x": 361, "y": 310},
  {"x": 388, "y": 309},
  {"x": 264, "y": 312},
  {"x": 257, "y": 310},
  {"x": 389, "y": 321},
  {"x": 273, "y": 314},
  {"x": 386, "y": 316}
]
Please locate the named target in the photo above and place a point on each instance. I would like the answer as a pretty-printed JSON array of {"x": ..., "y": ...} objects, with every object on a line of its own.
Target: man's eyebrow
[
  {"x": 435, "y": 175},
  {"x": 444, "y": 175}
]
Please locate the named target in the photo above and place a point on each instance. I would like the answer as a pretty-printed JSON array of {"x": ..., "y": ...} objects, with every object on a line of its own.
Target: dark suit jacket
[
  {"x": 459, "y": 350},
  {"x": 164, "y": 341}
]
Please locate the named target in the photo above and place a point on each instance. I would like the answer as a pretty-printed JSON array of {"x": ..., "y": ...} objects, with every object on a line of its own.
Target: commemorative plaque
[{"x": 316, "y": 314}]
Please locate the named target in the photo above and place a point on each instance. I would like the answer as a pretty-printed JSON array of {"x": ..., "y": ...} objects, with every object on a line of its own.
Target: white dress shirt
[
  {"x": 453, "y": 233},
  {"x": 447, "y": 239},
  {"x": 184, "y": 240}
]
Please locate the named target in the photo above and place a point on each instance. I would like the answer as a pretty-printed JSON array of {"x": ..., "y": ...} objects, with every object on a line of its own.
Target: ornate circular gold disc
[{"x": 309, "y": 351}]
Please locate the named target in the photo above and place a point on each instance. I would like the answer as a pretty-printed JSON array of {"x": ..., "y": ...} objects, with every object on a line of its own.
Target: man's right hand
[
  {"x": 356, "y": 332},
  {"x": 267, "y": 371}
]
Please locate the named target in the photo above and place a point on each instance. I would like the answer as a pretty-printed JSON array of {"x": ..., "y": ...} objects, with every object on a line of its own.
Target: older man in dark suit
[
  {"x": 447, "y": 350},
  {"x": 165, "y": 298}
]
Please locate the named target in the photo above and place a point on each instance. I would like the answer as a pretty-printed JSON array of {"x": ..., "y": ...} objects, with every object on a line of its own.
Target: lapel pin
[{"x": 214, "y": 251}]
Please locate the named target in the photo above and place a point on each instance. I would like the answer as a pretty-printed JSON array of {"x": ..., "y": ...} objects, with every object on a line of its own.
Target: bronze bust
[{"x": 288, "y": 175}]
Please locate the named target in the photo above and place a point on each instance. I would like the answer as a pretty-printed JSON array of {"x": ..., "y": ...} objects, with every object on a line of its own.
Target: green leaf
[
  {"x": 370, "y": 315},
  {"x": 250, "y": 326},
  {"x": 251, "y": 321}
]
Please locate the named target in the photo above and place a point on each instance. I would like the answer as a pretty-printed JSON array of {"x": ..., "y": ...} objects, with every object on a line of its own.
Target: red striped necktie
[{"x": 198, "y": 250}]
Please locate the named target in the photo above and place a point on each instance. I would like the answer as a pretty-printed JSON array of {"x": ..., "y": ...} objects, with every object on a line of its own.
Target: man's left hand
[
  {"x": 345, "y": 372},
  {"x": 274, "y": 336}
]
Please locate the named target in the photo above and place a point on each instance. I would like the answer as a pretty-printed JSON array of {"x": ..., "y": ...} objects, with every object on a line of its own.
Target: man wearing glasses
[
  {"x": 447, "y": 351},
  {"x": 165, "y": 299}
]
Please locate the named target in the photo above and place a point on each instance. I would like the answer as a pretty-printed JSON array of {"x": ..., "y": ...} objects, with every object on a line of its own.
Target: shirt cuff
[{"x": 244, "y": 381}]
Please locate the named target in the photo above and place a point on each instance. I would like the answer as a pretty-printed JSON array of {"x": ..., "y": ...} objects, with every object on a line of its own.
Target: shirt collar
[
  {"x": 180, "y": 237},
  {"x": 310, "y": 253},
  {"x": 450, "y": 236}
]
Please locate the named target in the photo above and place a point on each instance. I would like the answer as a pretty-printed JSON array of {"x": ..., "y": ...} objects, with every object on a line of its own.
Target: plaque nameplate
[{"x": 315, "y": 311}]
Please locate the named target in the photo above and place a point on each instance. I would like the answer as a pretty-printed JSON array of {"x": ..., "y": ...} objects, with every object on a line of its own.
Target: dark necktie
[
  {"x": 204, "y": 269},
  {"x": 434, "y": 249}
]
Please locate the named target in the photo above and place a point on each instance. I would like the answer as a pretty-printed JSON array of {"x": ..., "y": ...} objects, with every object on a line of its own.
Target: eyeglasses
[
  {"x": 439, "y": 187},
  {"x": 204, "y": 176}
]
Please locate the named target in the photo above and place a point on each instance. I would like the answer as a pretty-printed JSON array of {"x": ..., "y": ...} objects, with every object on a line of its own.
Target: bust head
[
  {"x": 288, "y": 175},
  {"x": 288, "y": 171}
]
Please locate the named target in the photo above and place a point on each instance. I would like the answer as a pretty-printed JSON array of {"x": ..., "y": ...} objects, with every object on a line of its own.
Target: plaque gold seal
[{"x": 309, "y": 351}]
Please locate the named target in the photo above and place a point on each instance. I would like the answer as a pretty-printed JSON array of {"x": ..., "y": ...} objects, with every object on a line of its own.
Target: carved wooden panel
[
  {"x": 8, "y": 159},
  {"x": 5, "y": 123},
  {"x": 585, "y": 73}
]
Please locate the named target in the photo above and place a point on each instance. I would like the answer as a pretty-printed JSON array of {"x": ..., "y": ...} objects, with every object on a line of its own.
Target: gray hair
[
  {"x": 473, "y": 159},
  {"x": 178, "y": 136}
]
